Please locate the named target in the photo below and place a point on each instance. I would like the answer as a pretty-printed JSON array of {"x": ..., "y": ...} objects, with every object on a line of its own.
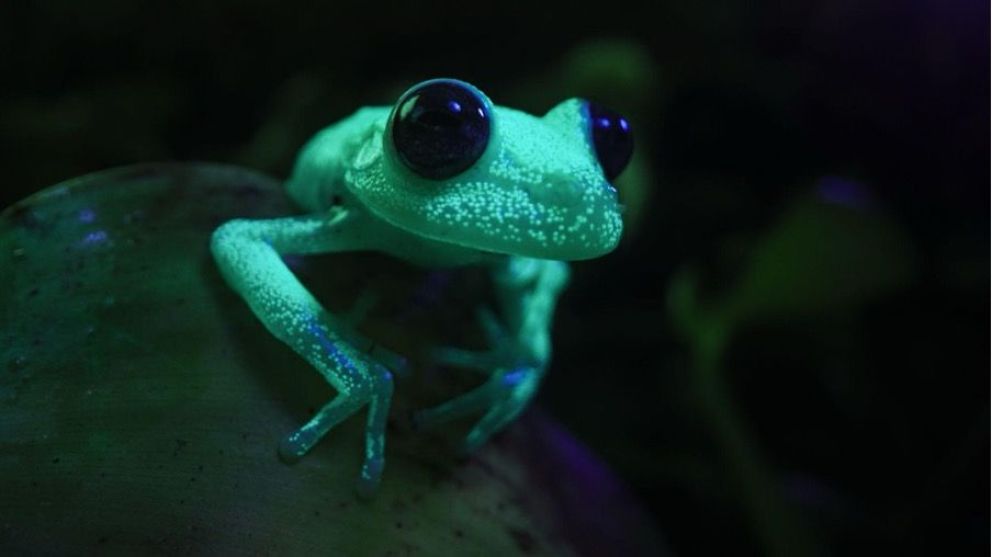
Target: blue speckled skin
[{"x": 535, "y": 198}]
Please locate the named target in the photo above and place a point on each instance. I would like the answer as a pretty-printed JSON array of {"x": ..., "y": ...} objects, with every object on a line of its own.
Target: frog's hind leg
[
  {"x": 248, "y": 254},
  {"x": 518, "y": 354}
]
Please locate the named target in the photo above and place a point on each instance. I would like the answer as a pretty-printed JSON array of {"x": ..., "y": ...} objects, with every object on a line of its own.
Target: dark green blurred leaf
[
  {"x": 821, "y": 257},
  {"x": 682, "y": 300}
]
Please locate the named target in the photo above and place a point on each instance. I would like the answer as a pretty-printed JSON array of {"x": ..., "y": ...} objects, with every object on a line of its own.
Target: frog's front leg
[
  {"x": 248, "y": 254},
  {"x": 528, "y": 290}
]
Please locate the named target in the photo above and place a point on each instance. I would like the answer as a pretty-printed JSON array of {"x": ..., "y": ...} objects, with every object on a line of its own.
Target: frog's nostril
[{"x": 612, "y": 139}]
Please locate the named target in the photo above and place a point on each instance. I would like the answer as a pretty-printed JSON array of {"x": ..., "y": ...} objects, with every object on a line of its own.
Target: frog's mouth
[{"x": 518, "y": 221}]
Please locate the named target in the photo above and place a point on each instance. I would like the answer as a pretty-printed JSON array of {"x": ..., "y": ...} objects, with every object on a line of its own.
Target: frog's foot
[
  {"x": 374, "y": 388},
  {"x": 503, "y": 397}
]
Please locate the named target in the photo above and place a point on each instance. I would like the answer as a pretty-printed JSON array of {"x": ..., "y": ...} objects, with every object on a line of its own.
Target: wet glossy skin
[{"x": 535, "y": 197}]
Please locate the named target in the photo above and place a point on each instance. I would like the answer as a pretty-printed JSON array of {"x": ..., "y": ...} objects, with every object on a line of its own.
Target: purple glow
[
  {"x": 600, "y": 511},
  {"x": 87, "y": 216},
  {"x": 95, "y": 237},
  {"x": 514, "y": 377},
  {"x": 588, "y": 474},
  {"x": 842, "y": 191}
]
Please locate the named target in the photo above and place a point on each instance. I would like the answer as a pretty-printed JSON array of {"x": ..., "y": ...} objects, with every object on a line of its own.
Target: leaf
[
  {"x": 821, "y": 257},
  {"x": 142, "y": 403}
]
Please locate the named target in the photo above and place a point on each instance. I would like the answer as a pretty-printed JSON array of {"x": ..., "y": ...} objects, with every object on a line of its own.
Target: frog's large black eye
[
  {"x": 440, "y": 128},
  {"x": 612, "y": 139}
]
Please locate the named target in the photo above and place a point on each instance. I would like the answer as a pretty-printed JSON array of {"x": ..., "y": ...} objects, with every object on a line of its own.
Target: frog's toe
[
  {"x": 495, "y": 332},
  {"x": 495, "y": 420},
  {"x": 368, "y": 481},
  {"x": 516, "y": 387},
  {"x": 294, "y": 447}
]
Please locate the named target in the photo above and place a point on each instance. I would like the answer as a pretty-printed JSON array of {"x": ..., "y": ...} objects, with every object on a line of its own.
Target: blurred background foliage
[{"x": 786, "y": 356}]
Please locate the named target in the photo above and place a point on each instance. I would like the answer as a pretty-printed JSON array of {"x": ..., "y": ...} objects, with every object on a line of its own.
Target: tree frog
[{"x": 442, "y": 178}]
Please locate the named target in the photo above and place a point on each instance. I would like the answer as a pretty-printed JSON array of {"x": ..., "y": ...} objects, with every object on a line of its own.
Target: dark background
[{"x": 834, "y": 155}]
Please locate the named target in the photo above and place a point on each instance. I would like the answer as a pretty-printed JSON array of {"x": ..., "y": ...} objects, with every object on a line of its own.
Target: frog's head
[{"x": 449, "y": 165}]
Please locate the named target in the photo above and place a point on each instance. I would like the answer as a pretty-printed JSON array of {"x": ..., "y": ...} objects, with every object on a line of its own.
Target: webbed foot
[
  {"x": 372, "y": 385},
  {"x": 513, "y": 380}
]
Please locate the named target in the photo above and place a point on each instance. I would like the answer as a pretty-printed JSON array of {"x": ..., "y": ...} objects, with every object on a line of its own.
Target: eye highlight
[
  {"x": 612, "y": 139},
  {"x": 440, "y": 128}
]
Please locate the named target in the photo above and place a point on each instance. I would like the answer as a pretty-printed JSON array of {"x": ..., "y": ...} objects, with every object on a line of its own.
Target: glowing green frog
[{"x": 442, "y": 178}]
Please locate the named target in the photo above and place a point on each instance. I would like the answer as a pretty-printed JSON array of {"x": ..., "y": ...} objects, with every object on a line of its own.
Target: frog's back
[{"x": 318, "y": 175}]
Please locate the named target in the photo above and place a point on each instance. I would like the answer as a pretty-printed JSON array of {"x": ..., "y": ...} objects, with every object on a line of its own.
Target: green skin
[{"x": 535, "y": 198}]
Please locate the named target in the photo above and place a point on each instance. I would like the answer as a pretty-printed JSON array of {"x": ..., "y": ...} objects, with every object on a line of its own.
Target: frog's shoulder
[{"x": 318, "y": 174}]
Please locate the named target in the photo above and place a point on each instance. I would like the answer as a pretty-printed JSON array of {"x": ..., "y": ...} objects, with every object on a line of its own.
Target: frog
[{"x": 442, "y": 178}]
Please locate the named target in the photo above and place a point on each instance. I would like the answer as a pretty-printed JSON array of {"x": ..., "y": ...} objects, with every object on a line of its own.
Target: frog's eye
[
  {"x": 440, "y": 128},
  {"x": 612, "y": 139}
]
